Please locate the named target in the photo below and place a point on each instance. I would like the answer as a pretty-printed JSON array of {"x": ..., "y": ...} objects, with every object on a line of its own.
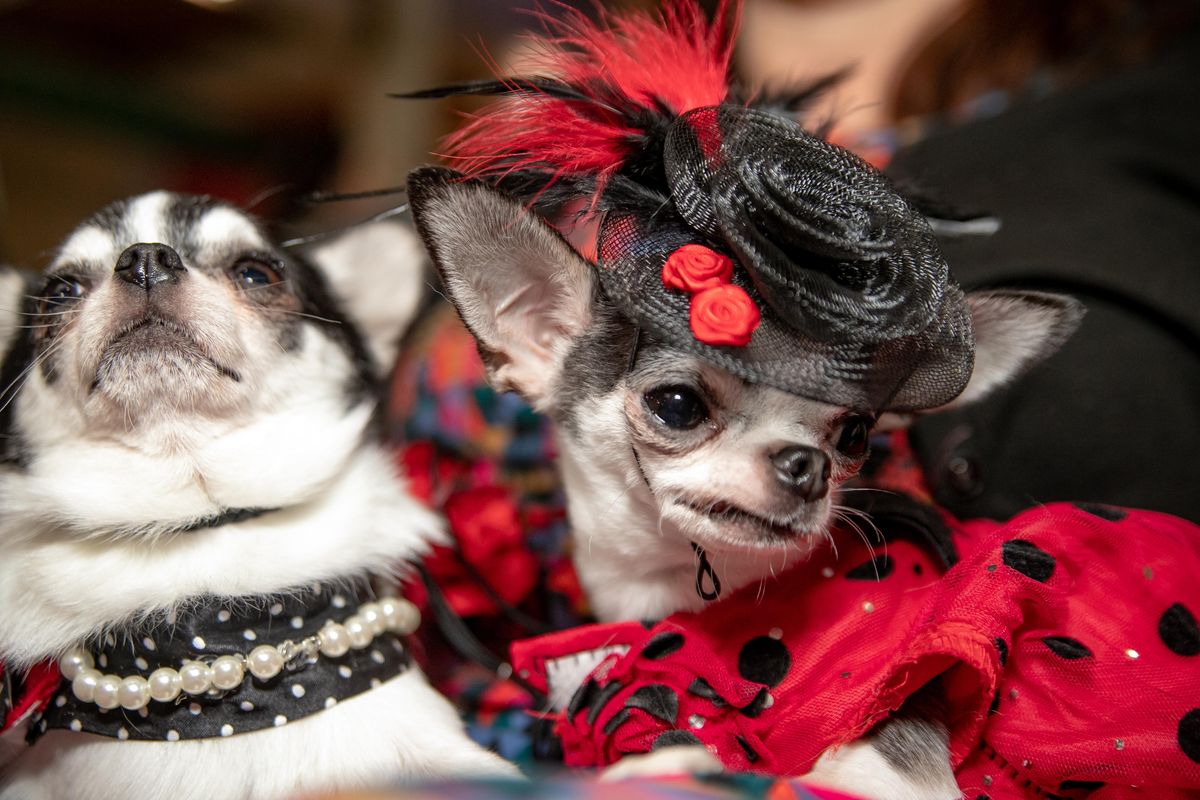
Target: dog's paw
[{"x": 688, "y": 759}]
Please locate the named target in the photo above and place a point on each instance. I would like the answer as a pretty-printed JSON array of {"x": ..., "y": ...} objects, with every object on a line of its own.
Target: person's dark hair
[{"x": 1001, "y": 44}]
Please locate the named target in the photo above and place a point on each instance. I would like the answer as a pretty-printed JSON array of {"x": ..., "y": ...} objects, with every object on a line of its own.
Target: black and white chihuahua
[
  {"x": 661, "y": 450},
  {"x": 194, "y": 497}
]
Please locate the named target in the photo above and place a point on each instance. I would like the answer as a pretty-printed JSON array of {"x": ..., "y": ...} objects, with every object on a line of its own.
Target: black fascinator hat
[{"x": 724, "y": 228}]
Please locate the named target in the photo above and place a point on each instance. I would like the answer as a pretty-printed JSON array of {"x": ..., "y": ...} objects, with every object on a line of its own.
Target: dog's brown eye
[
  {"x": 677, "y": 407},
  {"x": 855, "y": 437},
  {"x": 254, "y": 273},
  {"x": 59, "y": 292}
]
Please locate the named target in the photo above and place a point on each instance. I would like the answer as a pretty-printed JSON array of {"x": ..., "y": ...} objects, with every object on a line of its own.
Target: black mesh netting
[{"x": 857, "y": 304}]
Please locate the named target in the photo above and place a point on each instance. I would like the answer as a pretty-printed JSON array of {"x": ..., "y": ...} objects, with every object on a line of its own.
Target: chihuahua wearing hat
[{"x": 746, "y": 302}]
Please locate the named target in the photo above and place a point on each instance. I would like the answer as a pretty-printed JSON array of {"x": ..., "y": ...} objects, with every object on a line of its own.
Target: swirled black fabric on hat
[
  {"x": 857, "y": 302},
  {"x": 641, "y": 126}
]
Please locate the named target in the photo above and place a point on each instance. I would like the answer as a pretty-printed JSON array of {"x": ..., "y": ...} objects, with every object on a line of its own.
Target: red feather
[{"x": 626, "y": 71}]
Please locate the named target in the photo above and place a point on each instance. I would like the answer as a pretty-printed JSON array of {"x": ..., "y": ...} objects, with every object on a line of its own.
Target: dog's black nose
[
  {"x": 149, "y": 264},
  {"x": 803, "y": 470}
]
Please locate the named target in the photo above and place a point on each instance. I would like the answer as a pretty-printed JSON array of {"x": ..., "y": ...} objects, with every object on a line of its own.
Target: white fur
[
  {"x": 858, "y": 768},
  {"x": 85, "y": 523},
  {"x": 669, "y": 761},
  {"x": 224, "y": 225},
  {"x": 386, "y": 284},
  {"x": 12, "y": 296}
]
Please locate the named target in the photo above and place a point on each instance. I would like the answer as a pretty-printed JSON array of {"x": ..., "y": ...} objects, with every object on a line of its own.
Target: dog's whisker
[
  {"x": 841, "y": 516},
  {"x": 14, "y": 388},
  {"x": 311, "y": 316}
]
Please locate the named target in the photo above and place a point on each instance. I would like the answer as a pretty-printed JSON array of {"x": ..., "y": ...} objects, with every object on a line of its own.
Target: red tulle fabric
[{"x": 1065, "y": 640}]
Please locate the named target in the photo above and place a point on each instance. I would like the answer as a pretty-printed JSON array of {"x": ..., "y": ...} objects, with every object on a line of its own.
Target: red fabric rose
[
  {"x": 695, "y": 267},
  {"x": 724, "y": 315}
]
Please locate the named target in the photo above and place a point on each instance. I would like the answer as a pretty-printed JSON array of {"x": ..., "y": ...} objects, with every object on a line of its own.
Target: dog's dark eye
[
  {"x": 254, "y": 273},
  {"x": 854, "y": 438},
  {"x": 59, "y": 292},
  {"x": 677, "y": 407}
]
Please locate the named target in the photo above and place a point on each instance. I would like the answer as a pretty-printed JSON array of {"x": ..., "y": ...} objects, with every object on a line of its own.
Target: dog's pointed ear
[
  {"x": 378, "y": 271},
  {"x": 523, "y": 292},
  {"x": 1015, "y": 330},
  {"x": 15, "y": 284}
]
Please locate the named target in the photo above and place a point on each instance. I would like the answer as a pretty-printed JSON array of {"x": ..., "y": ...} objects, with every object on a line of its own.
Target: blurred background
[
  {"x": 263, "y": 101},
  {"x": 254, "y": 101}
]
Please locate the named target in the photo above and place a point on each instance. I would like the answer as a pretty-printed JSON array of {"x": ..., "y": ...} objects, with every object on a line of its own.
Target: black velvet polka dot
[
  {"x": 674, "y": 739},
  {"x": 1080, "y": 786},
  {"x": 764, "y": 660},
  {"x": 877, "y": 568},
  {"x": 599, "y": 699},
  {"x": 657, "y": 700},
  {"x": 995, "y": 704},
  {"x": 1103, "y": 512},
  {"x": 1189, "y": 735},
  {"x": 663, "y": 644},
  {"x": 702, "y": 688},
  {"x": 1066, "y": 647},
  {"x": 918, "y": 569},
  {"x": 755, "y": 707},
  {"x": 1002, "y": 649},
  {"x": 616, "y": 721},
  {"x": 582, "y": 698},
  {"x": 1028, "y": 559},
  {"x": 1178, "y": 630},
  {"x": 751, "y": 756}
]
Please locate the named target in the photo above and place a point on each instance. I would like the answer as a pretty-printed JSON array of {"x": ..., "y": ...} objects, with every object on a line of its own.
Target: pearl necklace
[{"x": 226, "y": 673}]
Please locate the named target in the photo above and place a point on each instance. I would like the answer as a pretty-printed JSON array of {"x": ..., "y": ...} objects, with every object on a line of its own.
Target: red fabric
[
  {"x": 33, "y": 693},
  {"x": 489, "y": 535},
  {"x": 1058, "y": 613}
]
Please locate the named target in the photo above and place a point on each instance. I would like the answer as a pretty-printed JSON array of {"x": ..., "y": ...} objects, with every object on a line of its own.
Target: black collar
[
  {"x": 213, "y": 626},
  {"x": 226, "y": 517}
]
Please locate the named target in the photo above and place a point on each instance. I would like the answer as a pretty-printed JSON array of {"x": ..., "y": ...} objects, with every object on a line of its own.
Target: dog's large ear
[
  {"x": 524, "y": 293},
  {"x": 15, "y": 284},
  {"x": 378, "y": 272},
  {"x": 1014, "y": 330}
]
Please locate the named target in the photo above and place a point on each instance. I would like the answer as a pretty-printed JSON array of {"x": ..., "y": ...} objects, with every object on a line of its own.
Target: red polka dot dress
[{"x": 1066, "y": 641}]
